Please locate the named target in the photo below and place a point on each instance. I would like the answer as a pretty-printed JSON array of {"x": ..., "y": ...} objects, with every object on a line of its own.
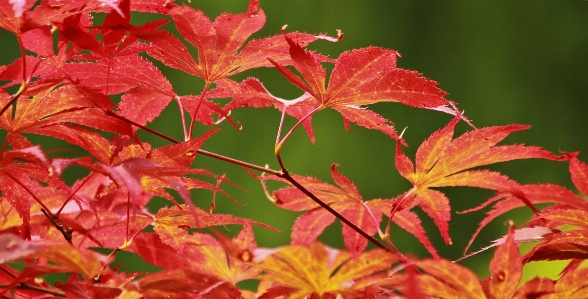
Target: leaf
[
  {"x": 181, "y": 154},
  {"x": 83, "y": 261},
  {"x": 205, "y": 253},
  {"x": 443, "y": 162},
  {"x": 521, "y": 235},
  {"x": 171, "y": 223},
  {"x": 533, "y": 194},
  {"x": 152, "y": 250},
  {"x": 13, "y": 247},
  {"x": 535, "y": 288},
  {"x": 572, "y": 283},
  {"x": 344, "y": 198},
  {"x": 21, "y": 174},
  {"x": 59, "y": 107},
  {"x": 445, "y": 279},
  {"x": 182, "y": 283},
  {"x": 12, "y": 12},
  {"x": 572, "y": 244},
  {"x": 559, "y": 215},
  {"x": 361, "y": 77},
  {"x": 222, "y": 51},
  {"x": 201, "y": 252},
  {"x": 505, "y": 269},
  {"x": 303, "y": 271},
  {"x": 579, "y": 173}
]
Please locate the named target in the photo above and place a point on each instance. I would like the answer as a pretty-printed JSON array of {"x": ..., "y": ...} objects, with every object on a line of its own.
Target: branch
[
  {"x": 356, "y": 228},
  {"x": 26, "y": 286},
  {"x": 200, "y": 151}
]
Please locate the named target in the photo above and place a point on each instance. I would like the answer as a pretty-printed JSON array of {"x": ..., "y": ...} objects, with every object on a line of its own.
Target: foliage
[{"x": 96, "y": 85}]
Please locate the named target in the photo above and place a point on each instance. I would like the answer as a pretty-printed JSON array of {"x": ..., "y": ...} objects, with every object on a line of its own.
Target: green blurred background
[{"x": 503, "y": 62}]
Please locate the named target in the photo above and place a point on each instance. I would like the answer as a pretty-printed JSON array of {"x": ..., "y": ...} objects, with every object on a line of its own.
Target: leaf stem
[
  {"x": 179, "y": 101},
  {"x": 206, "y": 87},
  {"x": 279, "y": 144},
  {"x": 309, "y": 114}
]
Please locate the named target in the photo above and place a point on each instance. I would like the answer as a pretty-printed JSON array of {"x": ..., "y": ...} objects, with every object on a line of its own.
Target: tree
[{"x": 99, "y": 85}]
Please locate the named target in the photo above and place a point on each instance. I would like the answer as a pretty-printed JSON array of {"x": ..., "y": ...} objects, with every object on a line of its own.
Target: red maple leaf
[
  {"x": 344, "y": 198},
  {"x": 52, "y": 111},
  {"x": 443, "y": 162},
  {"x": 22, "y": 175},
  {"x": 445, "y": 279},
  {"x": 569, "y": 208},
  {"x": 570, "y": 243},
  {"x": 221, "y": 44},
  {"x": 361, "y": 77},
  {"x": 201, "y": 252}
]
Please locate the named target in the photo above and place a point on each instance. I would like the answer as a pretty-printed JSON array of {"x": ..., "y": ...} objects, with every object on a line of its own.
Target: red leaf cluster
[{"x": 94, "y": 85}]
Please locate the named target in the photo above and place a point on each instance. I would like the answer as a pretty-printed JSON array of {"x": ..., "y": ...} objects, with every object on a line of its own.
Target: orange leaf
[
  {"x": 210, "y": 256},
  {"x": 533, "y": 194},
  {"x": 320, "y": 270},
  {"x": 571, "y": 244},
  {"x": 52, "y": 110},
  {"x": 444, "y": 277},
  {"x": 171, "y": 223},
  {"x": 443, "y": 162},
  {"x": 182, "y": 284},
  {"x": 506, "y": 269},
  {"x": 86, "y": 262},
  {"x": 535, "y": 288},
  {"x": 572, "y": 283}
]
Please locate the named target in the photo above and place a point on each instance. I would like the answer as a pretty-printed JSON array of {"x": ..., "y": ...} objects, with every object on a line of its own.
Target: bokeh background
[{"x": 503, "y": 62}]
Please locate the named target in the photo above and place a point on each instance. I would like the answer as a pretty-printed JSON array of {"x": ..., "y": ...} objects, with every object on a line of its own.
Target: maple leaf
[
  {"x": 361, "y": 77},
  {"x": 114, "y": 67},
  {"x": 207, "y": 254},
  {"x": 535, "y": 287},
  {"x": 68, "y": 258},
  {"x": 344, "y": 198},
  {"x": 142, "y": 169},
  {"x": 443, "y": 162},
  {"x": 444, "y": 279},
  {"x": 171, "y": 223},
  {"x": 14, "y": 248},
  {"x": 52, "y": 111},
  {"x": 21, "y": 174},
  {"x": 571, "y": 284},
  {"x": 222, "y": 51},
  {"x": 505, "y": 269},
  {"x": 83, "y": 261},
  {"x": 317, "y": 270},
  {"x": 568, "y": 244},
  {"x": 181, "y": 284},
  {"x": 220, "y": 44},
  {"x": 570, "y": 206}
]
